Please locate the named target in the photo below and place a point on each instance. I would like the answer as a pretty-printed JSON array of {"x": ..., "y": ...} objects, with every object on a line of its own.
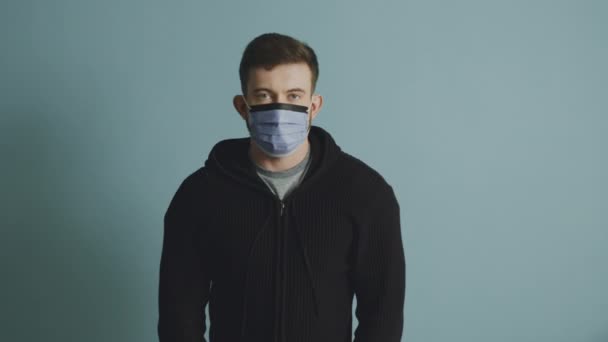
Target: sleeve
[
  {"x": 379, "y": 280},
  {"x": 184, "y": 275}
]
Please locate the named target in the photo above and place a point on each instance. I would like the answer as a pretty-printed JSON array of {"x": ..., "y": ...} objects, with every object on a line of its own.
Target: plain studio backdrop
[{"x": 489, "y": 118}]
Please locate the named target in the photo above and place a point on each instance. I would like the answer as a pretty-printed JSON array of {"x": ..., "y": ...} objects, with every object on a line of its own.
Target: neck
[{"x": 278, "y": 163}]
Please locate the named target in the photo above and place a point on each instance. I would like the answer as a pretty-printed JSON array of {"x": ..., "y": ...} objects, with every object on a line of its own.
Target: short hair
[{"x": 271, "y": 49}]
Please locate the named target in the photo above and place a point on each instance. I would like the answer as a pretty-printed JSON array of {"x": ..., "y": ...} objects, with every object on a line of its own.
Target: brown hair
[{"x": 271, "y": 49}]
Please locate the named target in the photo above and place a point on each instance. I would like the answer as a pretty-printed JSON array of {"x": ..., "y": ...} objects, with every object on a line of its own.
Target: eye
[
  {"x": 295, "y": 96},
  {"x": 262, "y": 96}
]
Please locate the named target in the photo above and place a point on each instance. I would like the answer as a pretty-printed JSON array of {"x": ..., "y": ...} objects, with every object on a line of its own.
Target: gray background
[{"x": 489, "y": 118}]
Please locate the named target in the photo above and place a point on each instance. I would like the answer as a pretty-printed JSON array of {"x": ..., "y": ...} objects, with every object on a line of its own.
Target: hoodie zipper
[
  {"x": 280, "y": 299},
  {"x": 280, "y": 332}
]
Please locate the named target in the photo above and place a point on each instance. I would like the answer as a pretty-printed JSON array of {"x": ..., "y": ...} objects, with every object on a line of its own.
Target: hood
[{"x": 230, "y": 157}]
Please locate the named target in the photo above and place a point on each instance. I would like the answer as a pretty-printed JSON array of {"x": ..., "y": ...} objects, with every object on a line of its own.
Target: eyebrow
[
  {"x": 298, "y": 90},
  {"x": 292, "y": 90}
]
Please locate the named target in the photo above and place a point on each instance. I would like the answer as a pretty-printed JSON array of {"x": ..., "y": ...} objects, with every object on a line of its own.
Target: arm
[
  {"x": 184, "y": 276},
  {"x": 379, "y": 279}
]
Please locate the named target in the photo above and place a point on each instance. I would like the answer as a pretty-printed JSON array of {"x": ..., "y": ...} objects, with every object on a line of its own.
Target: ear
[
  {"x": 240, "y": 106},
  {"x": 317, "y": 103}
]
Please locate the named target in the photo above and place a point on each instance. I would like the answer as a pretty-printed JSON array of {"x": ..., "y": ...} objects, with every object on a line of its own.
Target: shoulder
[
  {"x": 191, "y": 189},
  {"x": 367, "y": 186},
  {"x": 372, "y": 202},
  {"x": 361, "y": 174},
  {"x": 194, "y": 181}
]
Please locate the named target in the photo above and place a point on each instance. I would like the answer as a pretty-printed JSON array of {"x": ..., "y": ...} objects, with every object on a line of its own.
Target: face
[{"x": 285, "y": 83}]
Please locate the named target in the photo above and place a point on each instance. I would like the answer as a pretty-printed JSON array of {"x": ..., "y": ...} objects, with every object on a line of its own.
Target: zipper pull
[{"x": 282, "y": 207}]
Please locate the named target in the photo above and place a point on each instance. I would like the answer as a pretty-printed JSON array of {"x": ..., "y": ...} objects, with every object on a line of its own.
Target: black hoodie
[{"x": 282, "y": 271}]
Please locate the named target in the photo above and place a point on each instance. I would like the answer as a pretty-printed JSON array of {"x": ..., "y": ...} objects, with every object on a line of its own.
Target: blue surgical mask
[{"x": 278, "y": 128}]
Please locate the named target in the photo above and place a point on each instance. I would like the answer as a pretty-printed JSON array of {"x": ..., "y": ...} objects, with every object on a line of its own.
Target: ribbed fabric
[{"x": 282, "y": 271}]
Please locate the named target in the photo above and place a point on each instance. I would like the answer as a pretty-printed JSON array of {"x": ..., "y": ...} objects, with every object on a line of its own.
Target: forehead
[{"x": 281, "y": 77}]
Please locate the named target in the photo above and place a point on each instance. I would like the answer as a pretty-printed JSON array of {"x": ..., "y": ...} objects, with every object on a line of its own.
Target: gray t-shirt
[{"x": 281, "y": 183}]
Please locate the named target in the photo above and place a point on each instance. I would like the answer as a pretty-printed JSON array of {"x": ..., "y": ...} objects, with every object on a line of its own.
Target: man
[{"x": 279, "y": 230}]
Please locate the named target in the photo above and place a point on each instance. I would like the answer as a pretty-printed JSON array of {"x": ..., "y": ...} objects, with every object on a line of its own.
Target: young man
[{"x": 279, "y": 230}]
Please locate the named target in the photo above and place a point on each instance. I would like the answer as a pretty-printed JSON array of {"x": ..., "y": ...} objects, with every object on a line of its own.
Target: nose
[{"x": 282, "y": 98}]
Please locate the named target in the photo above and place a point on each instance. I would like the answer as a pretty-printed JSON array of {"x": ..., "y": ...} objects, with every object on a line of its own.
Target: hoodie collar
[{"x": 230, "y": 157}]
